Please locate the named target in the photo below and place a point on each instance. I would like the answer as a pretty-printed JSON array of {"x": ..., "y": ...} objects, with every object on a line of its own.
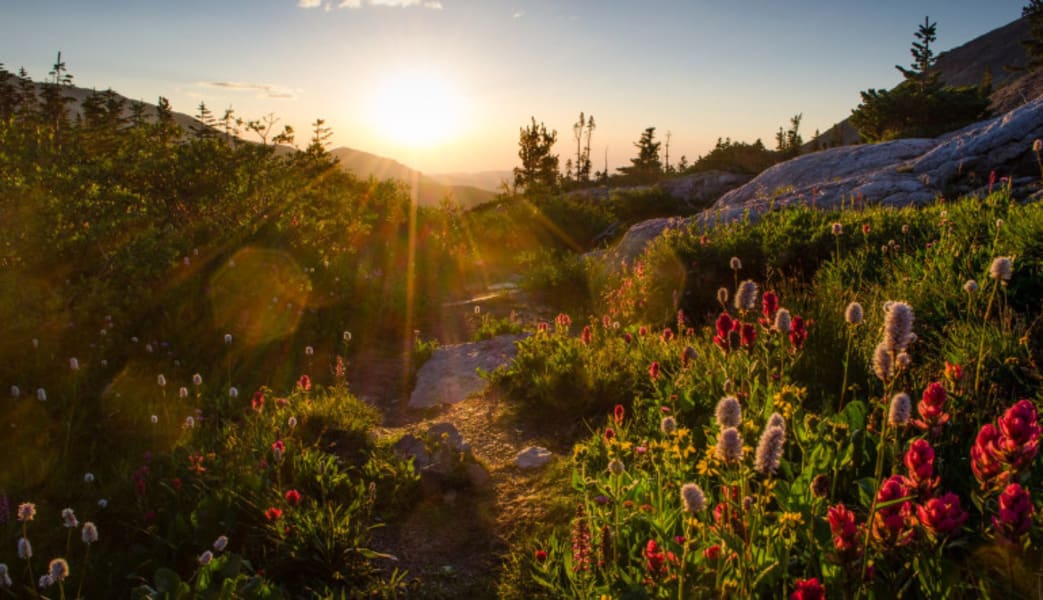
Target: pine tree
[
  {"x": 539, "y": 170},
  {"x": 646, "y": 166},
  {"x": 923, "y": 58},
  {"x": 1033, "y": 13}
]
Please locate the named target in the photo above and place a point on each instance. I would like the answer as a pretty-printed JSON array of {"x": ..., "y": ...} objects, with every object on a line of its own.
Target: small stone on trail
[{"x": 532, "y": 457}]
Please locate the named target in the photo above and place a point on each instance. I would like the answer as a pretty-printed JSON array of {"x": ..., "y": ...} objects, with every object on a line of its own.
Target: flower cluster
[{"x": 1007, "y": 448}]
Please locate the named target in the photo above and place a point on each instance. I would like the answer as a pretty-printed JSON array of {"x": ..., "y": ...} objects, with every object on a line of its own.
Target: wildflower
[
  {"x": 69, "y": 518},
  {"x": 891, "y": 523},
  {"x": 1019, "y": 435},
  {"x": 898, "y": 326},
  {"x": 729, "y": 445},
  {"x": 653, "y": 370},
  {"x": 190, "y": 422},
  {"x": 228, "y": 338},
  {"x": 74, "y": 365},
  {"x": 837, "y": 229},
  {"x": 668, "y": 425},
  {"x": 931, "y": 407},
  {"x": 182, "y": 392},
  {"x": 41, "y": 394},
  {"x": 808, "y": 589},
  {"x": 747, "y": 335},
  {"x": 88, "y": 477},
  {"x": 291, "y": 422},
  {"x": 798, "y": 332},
  {"x": 953, "y": 372},
  {"x": 866, "y": 228},
  {"x": 618, "y": 414},
  {"x": 901, "y": 407},
  {"x": 161, "y": 380},
  {"x": 310, "y": 351},
  {"x": 586, "y": 336},
  {"x": 712, "y": 553},
  {"x": 783, "y": 322},
  {"x": 1037, "y": 145},
  {"x": 278, "y": 449},
  {"x": 820, "y": 486},
  {"x": 746, "y": 295},
  {"x": 58, "y": 569},
  {"x": 257, "y": 401},
  {"x": 293, "y": 497},
  {"x": 233, "y": 392},
  {"x": 941, "y": 516},
  {"x": 15, "y": 392},
  {"x": 562, "y": 321},
  {"x": 195, "y": 461},
  {"x": 616, "y": 467},
  {"x": 853, "y": 313},
  {"x": 304, "y": 383},
  {"x": 642, "y": 331},
  {"x": 693, "y": 498},
  {"x": 609, "y": 435},
  {"x": 728, "y": 412},
  {"x": 725, "y": 324},
  {"x": 221, "y": 543},
  {"x": 903, "y": 360},
  {"x": 769, "y": 450},
  {"x": 667, "y": 335},
  {"x": 346, "y": 336},
  {"x": 769, "y": 305},
  {"x": 26, "y": 512},
  {"x": 197, "y": 380},
  {"x": 205, "y": 558},
  {"x": 89, "y": 533},
  {"x": 580, "y": 541},
  {"x": 25, "y": 549},
  {"x": 970, "y": 286},
  {"x": 688, "y": 355},
  {"x": 540, "y": 556},
  {"x": 5, "y": 578},
  {"x": 919, "y": 460},
  {"x": 776, "y": 420},
  {"x": 656, "y": 560},
  {"x": 45, "y": 581},
  {"x": 1001, "y": 269},
  {"x": 103, "y": 503},
  {"x": 882, "y": 362},
  {"x": 273, "y": 513},
  {"x": 722, "y": 295},
  {"x": 1015, "y": 513},
  {"x": 735, "y": 263}
]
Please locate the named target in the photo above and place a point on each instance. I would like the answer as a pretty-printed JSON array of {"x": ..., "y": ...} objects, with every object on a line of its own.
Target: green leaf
[{"x": 167, "y": 581}]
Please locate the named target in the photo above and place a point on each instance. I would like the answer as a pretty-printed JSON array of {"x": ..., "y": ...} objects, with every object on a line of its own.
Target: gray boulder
[
  {"x": 450, "y": 375},
  {"x": 532, "y": 457}
]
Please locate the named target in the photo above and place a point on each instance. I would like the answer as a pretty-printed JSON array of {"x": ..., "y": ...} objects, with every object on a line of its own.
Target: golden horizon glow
[{"x": 416, "y": 108}]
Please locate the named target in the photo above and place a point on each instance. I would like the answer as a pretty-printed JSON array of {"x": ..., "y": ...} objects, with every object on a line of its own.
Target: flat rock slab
[
  {"x": 532, "y": 457},
  {"x": 451, "y": 376}
]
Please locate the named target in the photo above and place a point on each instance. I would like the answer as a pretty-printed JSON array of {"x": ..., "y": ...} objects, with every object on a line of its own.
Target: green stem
[
  {"x": 83, "y": 576},
  {"x": 878, "y": 472},
  {"x": 847, "y": 358},
  {"x": 981, "y": 342}
]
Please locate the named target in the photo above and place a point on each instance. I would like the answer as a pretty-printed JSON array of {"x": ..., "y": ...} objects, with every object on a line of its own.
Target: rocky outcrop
[
  {"x": 897, "y": 173},
  {"x": 451, "y": 374},
  {"x": 697, "y": 189}
]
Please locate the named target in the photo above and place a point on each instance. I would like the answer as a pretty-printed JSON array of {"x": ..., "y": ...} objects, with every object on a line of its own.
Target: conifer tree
[
  {"x": 646, "y": 166},
  {"x": 923, "y": 57},
  {"x": 539, "y": 169},
  {"x": 1033, "y": 13}
]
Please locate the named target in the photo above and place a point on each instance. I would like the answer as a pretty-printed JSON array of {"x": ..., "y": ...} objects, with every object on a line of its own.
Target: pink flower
[
  {"x": 293, "y": 497},
  {"x": 932, "y": 408},
  {"x": 618, "y": 414},
  {"x": 845, "y": 532},
  {"x": 891, "y": 524},
  {"x": 919, "y": 460},
  {"x": 1015, "y": 513},
  {"x": 586, "y": 336},
  {"x": 808, "y": 589},
  {"x": 798, "y": 333},
  {"x": 941, "y": 516},
  {"x": 304, "y": 383}
]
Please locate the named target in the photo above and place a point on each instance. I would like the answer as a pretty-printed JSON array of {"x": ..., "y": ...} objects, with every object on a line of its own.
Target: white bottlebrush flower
[
  {"x": 89, "y": 534},
  {"x": 197, "y": 379},
  {"x": 291, "y": 422},
  {"x": 190, "y": 422},
  {"x": 746, "y": 295},
  {"x": 74, "y": 364},
  {"x": 148, "y": 348},
  {"x": 1001, "y": 269},
  {"x": 88, "y": 477},
  {"x": 728, "y": 412},
  {"x": 41, "y": 394},
  {"x": 233, "y": 392},
  {"x": 970, "y": 286},
  {"x": 69, "y": 519},
  {"x": 309, "y": 351},
  {"x": 616, "y": 467},
  {"x": 735, "y": 263},
  {"x": 900, "y": 410},
  {"x": 729, "y": 445},
  {"x": 36, "y": 343},
  {"x": 103, "y": 503},
  {"x": 15, "y": 391},
  {"x": 221, "y": 543},
  {"x": 5, "y": 577},
  {"x": 346, "y": 336},
  {"x": 182, "y": 392},
  {"x": 25, "y": 549},
  {"x": 853, "y": 313},
  {"x": 154, "y": 419},
  {"x": 26, "y": 512},
  {"x": 783, "y": 321},
  {"x": 206, "y": 557},
  {"x": 45, "y": 581},
  {"x": 693, "y": 498},
  {"x": 58, "y": 569},
  {"x": 161, "y": 380},
  {"x": 228, "y": 338}
]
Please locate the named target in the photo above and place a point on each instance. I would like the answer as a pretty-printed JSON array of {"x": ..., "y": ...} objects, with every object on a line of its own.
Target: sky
[{"x": 445, "y": 85}]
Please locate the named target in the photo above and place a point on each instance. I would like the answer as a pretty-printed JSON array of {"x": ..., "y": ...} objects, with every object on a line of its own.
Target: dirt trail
[{"x": 453, "y": 540}]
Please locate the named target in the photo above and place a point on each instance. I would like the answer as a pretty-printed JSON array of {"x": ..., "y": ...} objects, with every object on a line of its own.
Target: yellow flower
[
  {"x": 791, "y": 519},
  {"x": 788, "y": 398}
]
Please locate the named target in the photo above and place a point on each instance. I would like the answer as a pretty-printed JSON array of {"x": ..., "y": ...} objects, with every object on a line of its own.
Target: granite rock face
[{"x": 451, "y": 376}]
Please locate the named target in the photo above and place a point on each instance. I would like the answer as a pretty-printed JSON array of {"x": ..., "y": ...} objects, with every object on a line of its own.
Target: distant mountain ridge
[
  {"x": 993, "y": 52},
  {"x": 431, "y": 190}
]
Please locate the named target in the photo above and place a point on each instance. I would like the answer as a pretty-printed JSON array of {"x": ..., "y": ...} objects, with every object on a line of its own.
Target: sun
[{"x": 417, "y": 108}]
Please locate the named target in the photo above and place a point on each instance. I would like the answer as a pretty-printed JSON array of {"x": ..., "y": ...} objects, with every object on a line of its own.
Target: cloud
[
  {"x": 263, "y": 90},
  {"x": 353, "y": 4}
]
